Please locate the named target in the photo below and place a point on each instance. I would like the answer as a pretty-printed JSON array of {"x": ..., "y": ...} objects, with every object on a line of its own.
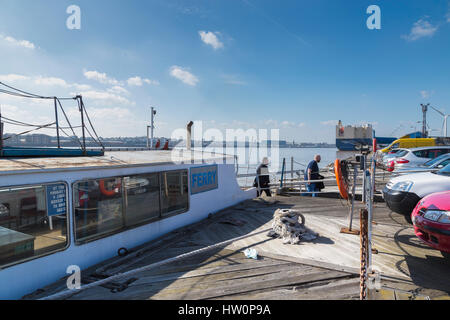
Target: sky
[{"x": 294, "y": 65}]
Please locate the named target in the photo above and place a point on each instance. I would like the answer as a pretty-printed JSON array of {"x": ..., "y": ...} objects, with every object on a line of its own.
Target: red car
[{"x": 431, "y": 219}]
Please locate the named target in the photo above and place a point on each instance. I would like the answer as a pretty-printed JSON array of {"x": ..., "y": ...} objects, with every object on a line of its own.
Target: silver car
[
  {"x": 417, "y": 156},
  {"x": 431, "y": 165}
]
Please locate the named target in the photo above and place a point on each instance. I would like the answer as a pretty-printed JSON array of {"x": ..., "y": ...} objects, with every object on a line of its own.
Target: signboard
[
  {"x": 56, "y": 199},
  {"x": 204, "y": 179}
]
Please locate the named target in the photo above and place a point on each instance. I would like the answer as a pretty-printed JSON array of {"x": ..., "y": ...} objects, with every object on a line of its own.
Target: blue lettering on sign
[
  {"x": 56, "y": 199},
  {"x": 204, "y": 179}
]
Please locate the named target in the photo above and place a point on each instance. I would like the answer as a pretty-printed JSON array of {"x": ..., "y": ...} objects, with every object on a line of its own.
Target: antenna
[
  {"x": 424, "y": 122},
  {"x": 152, "y": 127}
]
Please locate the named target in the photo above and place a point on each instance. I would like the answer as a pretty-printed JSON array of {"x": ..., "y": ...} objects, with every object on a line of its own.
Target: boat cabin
[{"x": 65, "y": 211}]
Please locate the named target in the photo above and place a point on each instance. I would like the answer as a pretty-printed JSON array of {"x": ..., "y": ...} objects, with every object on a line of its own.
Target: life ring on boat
[
  {"x": 340, "y": 170},
  {"x": 107, "y": 192}
]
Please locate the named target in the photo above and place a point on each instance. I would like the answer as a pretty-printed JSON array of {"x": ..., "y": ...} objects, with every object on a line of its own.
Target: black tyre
[{"x": 446, "y": 255}]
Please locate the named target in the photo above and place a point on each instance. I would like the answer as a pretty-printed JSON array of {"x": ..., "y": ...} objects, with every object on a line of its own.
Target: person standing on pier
[
  {"x": 312, "y": 174},
  {"x": 262, "y": 179}
]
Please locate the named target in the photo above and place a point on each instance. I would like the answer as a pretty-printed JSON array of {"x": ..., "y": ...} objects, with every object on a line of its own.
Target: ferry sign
[
  {"x": 204, "y": 179},
  {"x": 56, "y": 199}
]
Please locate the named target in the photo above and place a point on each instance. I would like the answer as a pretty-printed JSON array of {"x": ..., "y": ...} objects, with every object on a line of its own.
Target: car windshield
[
  {"x": 436, "y": 160},
  {"x": 445, "y": 171},
  {"x": 401, "y": 153}
]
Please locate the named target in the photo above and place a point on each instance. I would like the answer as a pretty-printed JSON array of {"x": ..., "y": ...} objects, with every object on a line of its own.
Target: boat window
[
  {"x": 174, "y": 192},
  {"x": 33, "y": 222},
  {"x": 98, "y": 208},
  {"x": 142, "y": 198}
]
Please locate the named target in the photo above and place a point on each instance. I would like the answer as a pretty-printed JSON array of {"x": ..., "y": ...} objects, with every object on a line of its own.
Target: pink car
[{"x": 431, "y": 219}]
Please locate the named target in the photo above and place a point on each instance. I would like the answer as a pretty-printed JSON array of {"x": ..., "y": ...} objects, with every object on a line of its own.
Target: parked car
[
  {"x": 386, "y": 157},
  {"x": 431, "y": 219},
  {"x": 415, "y": 157},
  {"x": 402, "y": 193},
  {"x": 431, "y": 165}
]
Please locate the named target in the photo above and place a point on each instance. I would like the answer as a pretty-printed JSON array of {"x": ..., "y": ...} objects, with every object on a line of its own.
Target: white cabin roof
[{"x": 112, "y": 159}]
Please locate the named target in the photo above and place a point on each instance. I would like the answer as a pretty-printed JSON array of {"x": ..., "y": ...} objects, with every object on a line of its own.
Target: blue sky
[{"x": 294, "y": 65}]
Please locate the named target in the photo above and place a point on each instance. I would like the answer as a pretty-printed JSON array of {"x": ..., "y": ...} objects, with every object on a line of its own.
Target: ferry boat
[{"x": 57, "y": 212}]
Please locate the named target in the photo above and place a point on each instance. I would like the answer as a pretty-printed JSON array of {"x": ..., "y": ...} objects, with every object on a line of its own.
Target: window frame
[
  {"x": 134, "y": 226},
  {"x": 68, "y": 230}
]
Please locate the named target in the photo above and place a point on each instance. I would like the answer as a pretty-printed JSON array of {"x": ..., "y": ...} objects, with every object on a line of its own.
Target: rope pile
[{"x": 290, "y": 226}]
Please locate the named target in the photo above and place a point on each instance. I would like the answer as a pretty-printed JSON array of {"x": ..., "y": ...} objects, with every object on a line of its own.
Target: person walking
[
  {"x": 262, "y": 179},
  {"x": 312, "y": 174}
]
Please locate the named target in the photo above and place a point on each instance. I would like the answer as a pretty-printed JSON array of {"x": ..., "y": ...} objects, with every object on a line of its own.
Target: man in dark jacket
[
  {"x": 312, "y": 173},
  {"x": 262, "y": 179}
]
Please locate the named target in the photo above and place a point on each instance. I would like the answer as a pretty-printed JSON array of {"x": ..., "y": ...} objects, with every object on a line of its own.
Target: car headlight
[
  {"x": 404, "y": 186},
  {"x": 437, "y": 216}
]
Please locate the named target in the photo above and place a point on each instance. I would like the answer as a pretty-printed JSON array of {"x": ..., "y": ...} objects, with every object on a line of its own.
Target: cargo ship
[{"x": 355, "y": 138}]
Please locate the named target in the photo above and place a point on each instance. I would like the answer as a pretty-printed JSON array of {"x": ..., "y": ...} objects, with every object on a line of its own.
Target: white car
[
  {"x": 417, "y": 156},
  {"x": 404, "y": 192}
]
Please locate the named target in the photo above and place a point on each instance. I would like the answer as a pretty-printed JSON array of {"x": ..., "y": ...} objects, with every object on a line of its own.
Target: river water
[{"x": 250, "y": 158}]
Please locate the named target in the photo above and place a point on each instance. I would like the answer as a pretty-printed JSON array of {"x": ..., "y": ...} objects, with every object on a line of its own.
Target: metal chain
[{"x": 364, "y": 225}]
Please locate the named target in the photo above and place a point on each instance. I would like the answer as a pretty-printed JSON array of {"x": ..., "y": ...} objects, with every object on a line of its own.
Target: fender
[{"x": 340, "y": 179}]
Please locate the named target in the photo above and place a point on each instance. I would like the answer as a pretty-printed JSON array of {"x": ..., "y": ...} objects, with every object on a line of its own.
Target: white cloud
[
  {"x": 420, "y": 29},
  {"x": 9, "y": 78},
  {"x": 118, "y": 90},
  {"x": 105, "y": 97},
  {"x": 50, "y": 81},
  {"x": 138, "y": 81},
  {"x": 18, "y": 43},
  {"x": 233, "y": 79},
  {"x": 210, "y": 38},
  {"x": 183, "y": 75},
  {"x": 100, "y": 77},
  {"x": 42, "y": 81},
  {"x": 329, "y": 123}
]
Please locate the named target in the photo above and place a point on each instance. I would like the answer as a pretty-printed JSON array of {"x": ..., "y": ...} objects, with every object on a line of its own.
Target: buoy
[
  {"x": 340, "y": 179},
  {"x": 166, "y": 145},
  {"x": 158, "y": 144},
  {"x": 107, "y": 192}
]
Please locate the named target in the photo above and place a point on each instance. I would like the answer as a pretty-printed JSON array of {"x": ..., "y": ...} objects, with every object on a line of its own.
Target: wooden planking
[{"x": 320, "y": 269}]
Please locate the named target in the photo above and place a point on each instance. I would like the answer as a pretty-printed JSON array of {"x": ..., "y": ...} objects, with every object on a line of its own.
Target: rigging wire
[{"x": 24, "y": 94}]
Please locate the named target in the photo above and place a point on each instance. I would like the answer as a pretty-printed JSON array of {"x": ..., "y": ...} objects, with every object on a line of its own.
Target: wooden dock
[{"x": 325, "y": 268}]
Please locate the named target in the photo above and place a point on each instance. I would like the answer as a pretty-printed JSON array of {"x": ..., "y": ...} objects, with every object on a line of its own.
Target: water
[{"x": 249, "y": 159}]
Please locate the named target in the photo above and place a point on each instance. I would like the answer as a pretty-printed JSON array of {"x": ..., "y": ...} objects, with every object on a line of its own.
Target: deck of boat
[{"x": 325, "y": 268}]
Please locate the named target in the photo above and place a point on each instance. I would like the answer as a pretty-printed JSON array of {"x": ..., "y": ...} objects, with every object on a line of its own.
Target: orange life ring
[
  {"x": 341, "y": 182},
  {"x": 107, "y": 192}
]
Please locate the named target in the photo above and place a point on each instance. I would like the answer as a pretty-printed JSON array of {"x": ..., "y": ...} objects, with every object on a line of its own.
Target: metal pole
[
  {"x": 152, "y": 126},
  {"x": 148, "y": 142},
  {"x": 292, "y": 168},
  {"x": 282, "y": 172},
  {"x": 82, "y": 122},
  {"x": 355, "y": 174},
  {"x": 57, "y": 124}
]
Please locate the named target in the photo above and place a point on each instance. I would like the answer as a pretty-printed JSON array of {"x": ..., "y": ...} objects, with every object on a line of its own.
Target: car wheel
[
  {"x": 408, "y": 218},
  {"x": 446, "y": 255}
]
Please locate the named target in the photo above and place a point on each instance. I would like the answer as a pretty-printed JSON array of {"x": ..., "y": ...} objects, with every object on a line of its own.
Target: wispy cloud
[
  {"x": 210, "y": 38},
  {"x": 426, "y": 94},
  {"x": 18, "y": 43},
  {"x": 138, "y": 81},
  {"x": 233, "y": 79},
  {"x": 183, "y": 75},
  {"x": 100, "y": 77},
  {"x": 420, "y": 29},
  {"x": 42, "y": 81},
  {"x": 105, "y": 98},
  {"x": 330, "y": 123}
]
